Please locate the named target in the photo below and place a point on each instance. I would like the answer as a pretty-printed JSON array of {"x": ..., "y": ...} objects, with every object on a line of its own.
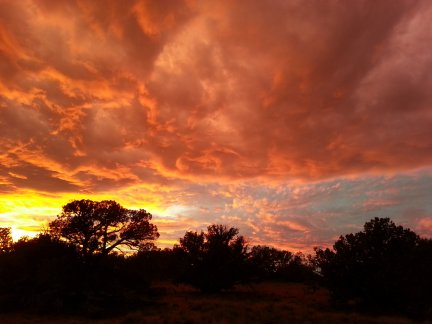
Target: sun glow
[{"x": 28, "y": 212}]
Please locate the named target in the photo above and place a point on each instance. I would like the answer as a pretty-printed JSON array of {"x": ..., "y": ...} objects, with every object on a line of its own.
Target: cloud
[
  {"x": 279, "y": 87},
  {"x": 259, "y": 114},
  {"x": 231, "y": 90}
]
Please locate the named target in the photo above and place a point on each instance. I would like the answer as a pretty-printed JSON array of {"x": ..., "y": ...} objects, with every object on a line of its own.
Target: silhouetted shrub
[
  {"x": 37, "y": 272},
  {"x": 156, "y": 264},
  {"x": 46, "y": 275}
]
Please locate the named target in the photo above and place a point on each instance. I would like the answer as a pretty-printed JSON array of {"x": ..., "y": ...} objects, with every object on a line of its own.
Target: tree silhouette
[
  {"x": 269, "y": 263},
  {"x": 100, "y": 227},
  {"x": 215, "y": 260},
  {"x": 39, "y": 273},
  {"x": 45, "y": 274},
  {"x": 371, "y": 267},
  {"x": 5, "y": 239}
]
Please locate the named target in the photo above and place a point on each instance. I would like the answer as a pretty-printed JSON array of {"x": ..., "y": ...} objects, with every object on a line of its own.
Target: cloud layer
[{"x": 174, "y": 95}]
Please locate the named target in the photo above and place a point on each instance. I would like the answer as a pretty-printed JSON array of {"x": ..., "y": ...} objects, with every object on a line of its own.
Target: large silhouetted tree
[
  {"x": 216, "y": 259},
  {"x": 374, "y": 267},
  {"x": 100, "y": 227}
]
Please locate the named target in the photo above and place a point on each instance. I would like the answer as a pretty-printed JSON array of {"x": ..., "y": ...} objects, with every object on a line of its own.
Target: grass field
[{"x": 258, "y": 303}]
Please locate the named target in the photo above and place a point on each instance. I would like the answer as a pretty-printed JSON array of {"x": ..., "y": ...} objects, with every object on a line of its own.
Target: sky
[{"x": 295, "y": 121}]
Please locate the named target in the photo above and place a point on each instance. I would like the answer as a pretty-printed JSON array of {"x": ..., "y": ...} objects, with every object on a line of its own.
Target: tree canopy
[
  {"x": 101, "y": 227},
  {"x": 71, "y": 267},
  {"x": 377, "y": 267},
  {"x": 269, "y": 263},
  {"x": 5, "y": 239},
  {"x": 216, "y": 259}
]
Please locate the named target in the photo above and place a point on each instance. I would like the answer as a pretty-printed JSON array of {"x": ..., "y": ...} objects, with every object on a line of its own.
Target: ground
[{"x": 257, "y": 303}]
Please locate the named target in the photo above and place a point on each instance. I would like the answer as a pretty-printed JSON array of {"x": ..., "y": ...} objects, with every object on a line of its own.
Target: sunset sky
[{"x": 295, "y": 121}]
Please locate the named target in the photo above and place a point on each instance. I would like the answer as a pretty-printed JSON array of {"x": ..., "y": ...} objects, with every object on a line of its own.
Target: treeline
[
  {"x": 77, "y": 264},
  {"x": 46, "y": 274}
]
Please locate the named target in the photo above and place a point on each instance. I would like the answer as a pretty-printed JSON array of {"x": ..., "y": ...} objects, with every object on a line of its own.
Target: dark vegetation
[
  {"x": 382, "y": 268},
  {"x": 99, "y": 259}
]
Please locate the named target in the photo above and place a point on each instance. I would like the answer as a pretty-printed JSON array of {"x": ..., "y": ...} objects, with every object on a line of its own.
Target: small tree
[
  {"x": 100, "y": 227},
  {"x": 215, "y": 260},
  {"x": 5, "y": 239},
  {"x": 268, "y": 261},
  {"x": 274, "y": 264}
]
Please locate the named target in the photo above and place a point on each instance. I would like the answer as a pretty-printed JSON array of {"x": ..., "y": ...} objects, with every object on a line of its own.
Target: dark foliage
[
  {"x": 383, "y": 267},
  {"x": 46, "y": 275},
  {"x": 101, "y": 227},
  {"x": 160, "y": 265},
  {"x": 5, "y": 239},
  {"x": 36, "y": 272},
  {"x": 268, "y": 263},
  {"x": 214, "y": 260},
  {"x": 73, "y": 269}
]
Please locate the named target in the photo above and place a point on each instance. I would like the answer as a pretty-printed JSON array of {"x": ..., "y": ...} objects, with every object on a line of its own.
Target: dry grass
[{"x": 260, "y": 303}]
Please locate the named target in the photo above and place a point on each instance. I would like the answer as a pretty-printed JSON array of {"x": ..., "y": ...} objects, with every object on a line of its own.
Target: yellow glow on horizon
[
  {"x": 18, "y": 233},
  {"x": 166, "y": 243},
  {"x": 28, "y": 212}
]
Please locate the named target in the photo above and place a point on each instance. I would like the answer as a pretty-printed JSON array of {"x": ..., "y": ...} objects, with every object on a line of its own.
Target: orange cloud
[
  {"x": 211, "y": 90},
  {"x": 152, "y": 99}
]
